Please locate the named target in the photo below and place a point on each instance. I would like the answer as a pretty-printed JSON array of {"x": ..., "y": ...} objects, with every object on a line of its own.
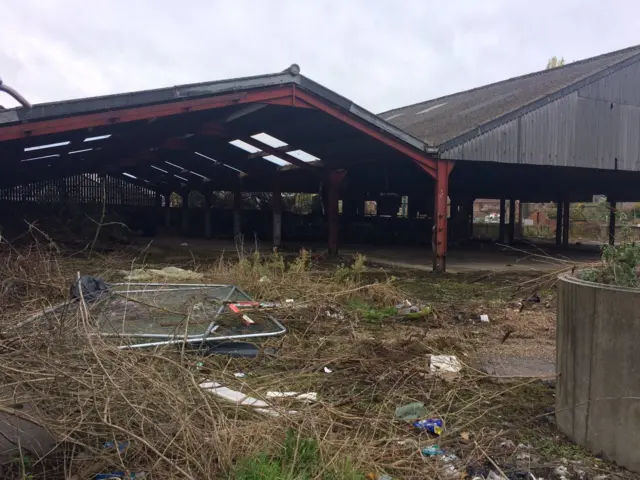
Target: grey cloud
[{"x": 381, "y": 54}]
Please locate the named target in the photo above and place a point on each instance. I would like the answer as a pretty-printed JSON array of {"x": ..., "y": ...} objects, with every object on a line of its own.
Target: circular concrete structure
[{"x": 598, "y": 365}]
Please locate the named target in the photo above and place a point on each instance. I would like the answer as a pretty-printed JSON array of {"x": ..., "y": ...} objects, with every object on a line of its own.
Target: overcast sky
[{"x": 381, "y": 54}]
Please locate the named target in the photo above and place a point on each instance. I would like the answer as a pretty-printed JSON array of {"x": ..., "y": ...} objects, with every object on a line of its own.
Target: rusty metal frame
[{"x": 441, "y": 192}]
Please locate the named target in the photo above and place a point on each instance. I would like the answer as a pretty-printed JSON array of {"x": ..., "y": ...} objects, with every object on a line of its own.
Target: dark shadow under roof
[{"x": 441, "y": 120}]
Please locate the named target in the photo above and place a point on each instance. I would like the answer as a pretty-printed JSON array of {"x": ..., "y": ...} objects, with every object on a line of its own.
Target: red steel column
[
  {"x": 333, "y": 196},
  {"x": 441, "y": 192},
  {"x": 276, "y": 205}
]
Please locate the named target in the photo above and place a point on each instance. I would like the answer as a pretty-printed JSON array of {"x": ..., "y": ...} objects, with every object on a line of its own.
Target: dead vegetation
[{"x": 91, "y": 397}]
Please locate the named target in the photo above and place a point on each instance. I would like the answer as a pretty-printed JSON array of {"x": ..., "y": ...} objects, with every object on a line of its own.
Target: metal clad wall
[
  {"x": 622, "y": 87},
  {"x": 542, "y": 137},
  {"x": 548, "y": 133},
  {"x": 597, "y": 134},
  {"x": 497, "y": 145},
  {"x": 595, "y": 127}
]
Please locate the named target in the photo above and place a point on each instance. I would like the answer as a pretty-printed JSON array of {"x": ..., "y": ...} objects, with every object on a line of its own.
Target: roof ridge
[{"x": 520, "y": 77}]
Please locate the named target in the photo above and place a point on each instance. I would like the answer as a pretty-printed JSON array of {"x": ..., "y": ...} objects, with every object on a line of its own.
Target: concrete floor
[{"x": 475, "y": 257}]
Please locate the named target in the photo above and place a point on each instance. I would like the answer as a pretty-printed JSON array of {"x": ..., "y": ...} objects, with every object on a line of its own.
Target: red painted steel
[
  {"x": 441, "y": 192},
  {"x": 421, "y": 158},
  {"x": 78, "y": 122}
]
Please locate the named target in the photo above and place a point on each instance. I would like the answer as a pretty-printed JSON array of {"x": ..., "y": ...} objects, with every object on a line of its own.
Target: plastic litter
[
  {"x": 92, "y": 288},
  {"x": 122, "y": 446},
  {"x": 327, "y": 370},
  {"x": 431, "y": 425},
  {"x": 240, "y": 375},
  {"x": 411, "y": 411},
  {"x": 167, "y": 273},
  {"x": 432, "y": 451},
  {"x": 240, "y": 398},
  {"x": 120, "y": 475},
  {"x": 445, "y": 364},
  {"x": 494, "y": 476},
  {"x": 310, "y": 396},
  {"x": 484, "y": 318}
]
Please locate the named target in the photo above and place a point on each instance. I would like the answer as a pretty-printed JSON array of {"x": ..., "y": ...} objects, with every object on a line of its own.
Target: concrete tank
[{"x": 598, "y": 365}]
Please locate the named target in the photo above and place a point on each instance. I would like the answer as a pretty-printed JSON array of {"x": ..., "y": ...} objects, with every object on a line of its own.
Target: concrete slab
[
  {"x": 477, "y": 257},
  {"x": 517, "y": 367}
]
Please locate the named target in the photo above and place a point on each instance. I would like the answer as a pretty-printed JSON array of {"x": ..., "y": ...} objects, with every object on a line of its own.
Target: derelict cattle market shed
[{"x": 558, "y": 135}]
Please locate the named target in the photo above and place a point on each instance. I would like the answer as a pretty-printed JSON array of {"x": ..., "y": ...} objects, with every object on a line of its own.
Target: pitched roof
[{"x": 444, "y": 119}]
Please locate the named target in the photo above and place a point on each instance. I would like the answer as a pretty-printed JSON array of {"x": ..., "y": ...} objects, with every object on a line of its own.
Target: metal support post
[
  {"x": 276, "y": 206},
  {"x": 207, "y": 215},
  {"x": 333, "y": 195},
  {"x": 512, "y": 221},
  {"x": 237, "y": 213},
  {"x": 440, "y": 199},
  {"x": 559, "y": 223},
  {"x": 565, "y": 222},
  {"x": 501, "y": 225},
  {"x": 185, "y": 212},
  {"x": 167, "y": 210},
  {"x": 612, "y": 222}
]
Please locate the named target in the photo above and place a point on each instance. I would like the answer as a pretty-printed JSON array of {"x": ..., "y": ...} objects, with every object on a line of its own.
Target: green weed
[{"x": 298, "y": 459}]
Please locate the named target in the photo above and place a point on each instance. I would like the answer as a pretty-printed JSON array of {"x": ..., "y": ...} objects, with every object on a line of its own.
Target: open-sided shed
[{"x": 269, "y": 133}]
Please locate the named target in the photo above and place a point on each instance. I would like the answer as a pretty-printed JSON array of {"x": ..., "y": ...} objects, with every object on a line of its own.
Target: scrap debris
[
  {"x": 446, "y": 365},
  {"x": 241, "y": 399}
]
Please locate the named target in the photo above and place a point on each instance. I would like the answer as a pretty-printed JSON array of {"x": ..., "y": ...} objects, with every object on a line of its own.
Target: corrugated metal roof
[{"x": 445, "y": 119}]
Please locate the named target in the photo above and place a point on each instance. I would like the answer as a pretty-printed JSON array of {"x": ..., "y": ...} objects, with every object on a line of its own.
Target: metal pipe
[
  {"x": 6, "y": 88},
  {"x": 246, "y": 336}
]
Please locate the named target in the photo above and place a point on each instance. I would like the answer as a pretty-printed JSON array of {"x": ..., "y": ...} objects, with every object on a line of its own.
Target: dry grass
[{"x": 86, "y": 392}]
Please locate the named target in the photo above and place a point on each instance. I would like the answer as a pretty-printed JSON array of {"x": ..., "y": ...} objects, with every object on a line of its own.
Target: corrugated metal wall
[
  {"x": 595, "y": 127},
  {"x": 85, "y": 188}
]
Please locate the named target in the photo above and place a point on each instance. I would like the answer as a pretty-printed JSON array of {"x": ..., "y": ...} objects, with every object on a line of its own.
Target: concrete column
[
  {"x": 501, "y": 225},
  {"x": 612, "y": 222},
  {"x": 565, "y": 222},
  {"x": 207, "y": 215},
  {"x": 333, "y": 195},
  {"x": 276, "y": 206},
  {"x": 558, "y": 223},
  {"x": 512, "y": 221},
  {"x": 237, "y": 213}
]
